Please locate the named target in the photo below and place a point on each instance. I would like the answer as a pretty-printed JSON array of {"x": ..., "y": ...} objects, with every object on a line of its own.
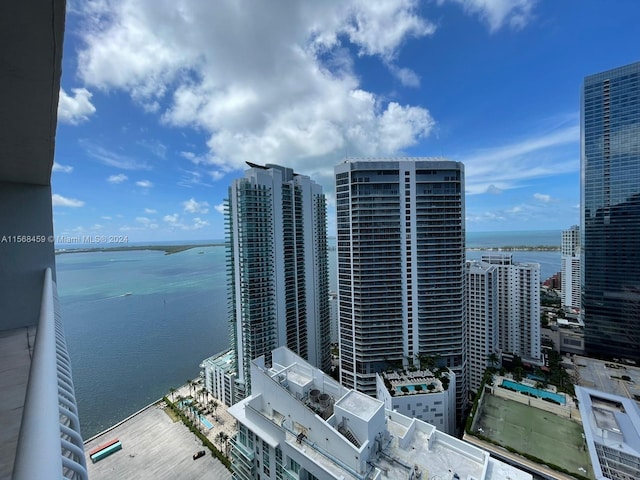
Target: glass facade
[
  {"x": 401, "y": 268},
  {"x": 610, "y": 235}
]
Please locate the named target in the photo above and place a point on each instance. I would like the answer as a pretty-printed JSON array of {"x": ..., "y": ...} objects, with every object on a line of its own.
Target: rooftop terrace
[{"x": 413, "y": 382}]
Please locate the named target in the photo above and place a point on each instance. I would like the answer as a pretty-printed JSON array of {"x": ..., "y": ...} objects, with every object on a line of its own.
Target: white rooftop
[
  {"x": 396, "y": 447},
  {"x": 361, "y": 405},
  {"x": 612, "y": 432}
]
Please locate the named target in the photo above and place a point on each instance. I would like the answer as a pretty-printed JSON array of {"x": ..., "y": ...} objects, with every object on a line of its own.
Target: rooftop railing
[{"x": 50, "y": 444}]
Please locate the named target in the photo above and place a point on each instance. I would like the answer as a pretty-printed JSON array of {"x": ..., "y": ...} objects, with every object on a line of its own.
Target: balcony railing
[{"x": 50, "y": 444}]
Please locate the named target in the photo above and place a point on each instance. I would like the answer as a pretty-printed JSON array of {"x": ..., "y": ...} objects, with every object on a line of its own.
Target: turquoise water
[
  {"x": 206, "y": 422},
  {"x": 411, "y": 388},
  {"x": 534, "y": 391},
  {"x": 128, "y": 350}
]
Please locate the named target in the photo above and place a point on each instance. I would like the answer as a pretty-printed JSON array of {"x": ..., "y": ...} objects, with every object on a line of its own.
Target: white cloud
[
  {"x": 220, "y": 208},
  {"x": 497, "y": 13},
  {"x": 216, "y": 175},
  {"x": 174, "y": 218},
  {"x": 407, "y": 77},
  {"x": 77, "y": 108},
  {"x": 199, "y": 224},
  {"x": 542, "y": 197},
  {"x": 379, "y": 28},
  {"x": 60, "y": 201},
  {"x": 144, "y": 184},
  {"x": 193, "y": 206},
  {"x": 106, "y": 217},
  {"x": 263, "y": 80},
  {"x": 510, "y": 166},
  {"x": 150, "y": 211},
  {"x": 175, "y": 222},
  {"x": 57, "y": 167},
  {"x": 121, "y": 177},
  {"x": 113, "y": 159},
  {"x": 156, "y": 147}
]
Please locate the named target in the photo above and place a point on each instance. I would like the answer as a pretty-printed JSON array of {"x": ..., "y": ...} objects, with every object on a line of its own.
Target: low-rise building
[
  {"x": 219, "y": 375},
  {"x": 300, "y": 424},
  {"x": 420, "y": 394}
]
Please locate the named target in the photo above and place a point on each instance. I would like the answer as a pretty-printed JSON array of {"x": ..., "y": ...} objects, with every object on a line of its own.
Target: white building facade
[
  {"x": 518, "y": 306},
  {"x": 570, "y": 267},
  {"x": 401, "y": 254},
  {"x": 277, "y": 267},
  {"x": 299, "y": 424},
  {"x": 219, "y": 375},
  {"x": 421, "y": 394},
  {"x": 482, "y": 319}
]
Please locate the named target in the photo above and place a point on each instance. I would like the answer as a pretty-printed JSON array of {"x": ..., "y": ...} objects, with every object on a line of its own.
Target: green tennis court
[{"x": 549, "y": 437}]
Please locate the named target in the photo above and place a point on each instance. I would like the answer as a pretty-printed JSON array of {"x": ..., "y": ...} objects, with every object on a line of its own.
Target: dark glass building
[{"x": 610, "y": 123}]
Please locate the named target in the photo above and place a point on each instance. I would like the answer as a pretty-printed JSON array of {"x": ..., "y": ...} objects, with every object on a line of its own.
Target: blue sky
[{"x": 162, "y": 102}]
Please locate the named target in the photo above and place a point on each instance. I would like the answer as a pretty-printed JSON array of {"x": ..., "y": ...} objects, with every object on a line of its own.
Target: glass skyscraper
[
  {"x": 401, "y": 268},
  {"x": 610, "y": 118}
]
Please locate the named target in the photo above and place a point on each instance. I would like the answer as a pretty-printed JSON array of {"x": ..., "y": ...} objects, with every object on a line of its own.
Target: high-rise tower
[
  {"x": 570, "y": 267},
  {"x": 483, "y": 303},
  {"x": 401, "y": 268},
  {"x": 518, "y": 306},
  {"x": 610, "y": 148},
  {"x": 278, "y": 268}
]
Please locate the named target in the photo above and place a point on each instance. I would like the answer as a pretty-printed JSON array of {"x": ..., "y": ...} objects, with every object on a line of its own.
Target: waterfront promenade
[{"x": 155, "y": 446}]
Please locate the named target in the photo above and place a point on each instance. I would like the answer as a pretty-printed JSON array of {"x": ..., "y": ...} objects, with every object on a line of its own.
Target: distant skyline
[{"x": 162, "y": 103}]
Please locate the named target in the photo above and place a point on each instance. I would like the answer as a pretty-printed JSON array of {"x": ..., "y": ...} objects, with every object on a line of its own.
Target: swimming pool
[
  {"x": 206, "y": 422},
  {"x": 411, "y": 388},
  {"x": 534, "y": 391}
]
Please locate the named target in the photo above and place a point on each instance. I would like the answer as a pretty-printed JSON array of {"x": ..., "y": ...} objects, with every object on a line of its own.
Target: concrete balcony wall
[{"x": 26, "y": 211}]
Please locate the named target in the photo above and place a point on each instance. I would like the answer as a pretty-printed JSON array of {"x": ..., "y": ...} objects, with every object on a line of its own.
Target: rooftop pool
[
  {"x": 558, "y": 397},
  {"x": 412, "y": 388}
]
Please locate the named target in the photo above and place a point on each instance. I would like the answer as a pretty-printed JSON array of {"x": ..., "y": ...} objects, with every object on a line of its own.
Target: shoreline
[
  {"x": 516, "y": 248},
  {"x": 167, "y": 249}
]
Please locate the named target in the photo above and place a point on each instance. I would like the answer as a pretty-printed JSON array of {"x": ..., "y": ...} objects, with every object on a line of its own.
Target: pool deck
[{"x": 155, "y": 447}]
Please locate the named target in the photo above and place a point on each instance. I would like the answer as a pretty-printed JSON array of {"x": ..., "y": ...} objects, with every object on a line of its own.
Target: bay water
[{"x": 140, "y": 322}]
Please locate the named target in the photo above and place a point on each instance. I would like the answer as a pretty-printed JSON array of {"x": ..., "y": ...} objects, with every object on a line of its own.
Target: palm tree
[
  {"x": 517, "y": 373},
  {"x": 214, "y": 405},
  {"x": 192, "y": 386},
  {"x": 221, "y": 437},
  {"x": 493, "y": 358},
  {"x": 226, "y": 445},
  {"x": 171, "y": 392}
]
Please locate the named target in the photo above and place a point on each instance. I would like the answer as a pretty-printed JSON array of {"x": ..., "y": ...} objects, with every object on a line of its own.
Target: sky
[{"x": 162, "y": 103}]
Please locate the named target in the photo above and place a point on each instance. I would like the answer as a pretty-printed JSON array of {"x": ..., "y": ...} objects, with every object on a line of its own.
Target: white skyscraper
[
  {"x": 570, "y": 267},
  {"x": 401, "y": 272},
  {"x": 278, "y": 268},
  {"x": 482, "y": 319},
  {"x": 518, "y": 306}
]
